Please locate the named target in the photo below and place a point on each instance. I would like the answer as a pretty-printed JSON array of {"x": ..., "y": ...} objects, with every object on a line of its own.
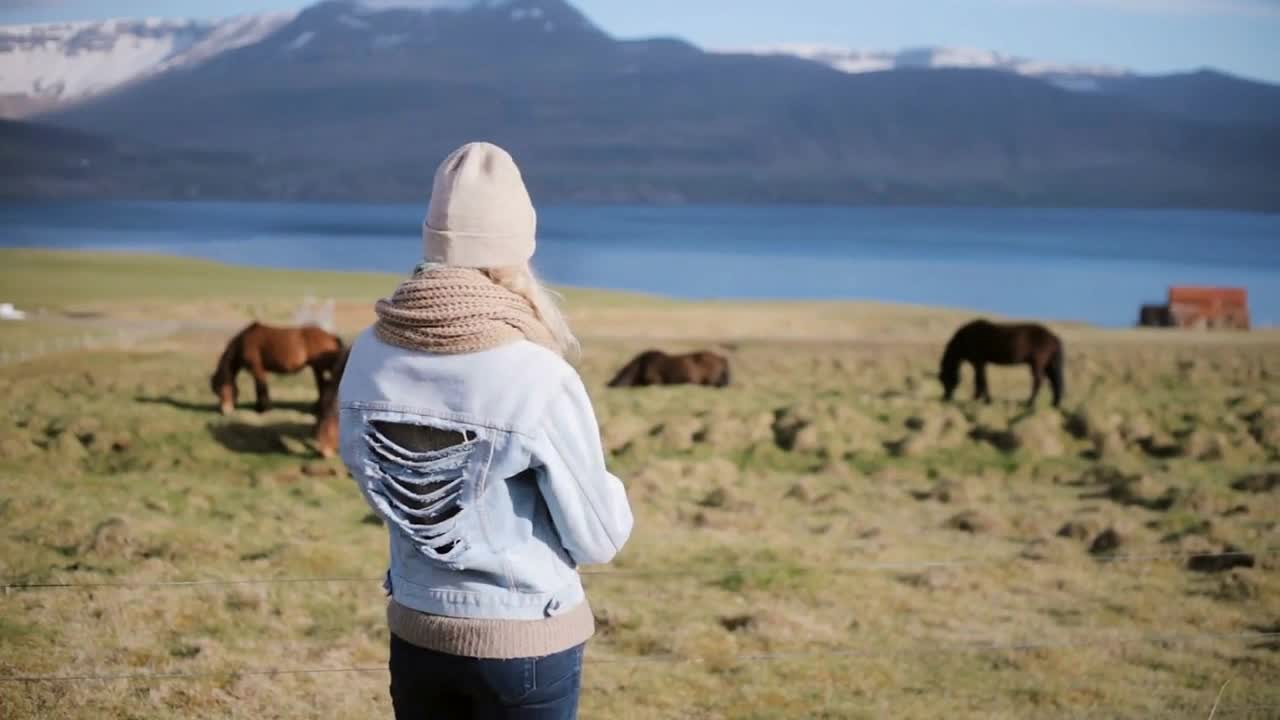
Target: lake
[{"x": 1068, "y": 264}]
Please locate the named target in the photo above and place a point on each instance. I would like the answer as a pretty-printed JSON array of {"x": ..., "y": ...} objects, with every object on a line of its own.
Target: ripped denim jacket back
[
  {"x": 418, "y": 483},
  {"x": 489, "y": 506}
]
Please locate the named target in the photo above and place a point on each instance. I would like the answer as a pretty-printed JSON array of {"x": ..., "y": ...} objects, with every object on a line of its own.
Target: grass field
[{"x": 822, "y": 539}]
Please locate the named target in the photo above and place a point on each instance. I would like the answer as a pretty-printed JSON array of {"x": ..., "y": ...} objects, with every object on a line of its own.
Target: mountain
[
  {"x": 43, "y": 66},
  {"x": 1069, "y": 77},
  {"x": 1204, "y": 96},
  {"x": 360, "y": 100}
]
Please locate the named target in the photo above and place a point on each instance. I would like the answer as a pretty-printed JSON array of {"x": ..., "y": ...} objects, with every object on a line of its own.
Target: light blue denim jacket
[{"x": 494, "y": 523}]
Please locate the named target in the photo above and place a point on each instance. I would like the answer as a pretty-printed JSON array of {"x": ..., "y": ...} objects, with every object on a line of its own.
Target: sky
[{"x": 1153, "y": 36}]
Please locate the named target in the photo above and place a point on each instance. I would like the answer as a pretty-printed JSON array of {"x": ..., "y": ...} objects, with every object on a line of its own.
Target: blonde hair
[{"x": 546, "y": 304}]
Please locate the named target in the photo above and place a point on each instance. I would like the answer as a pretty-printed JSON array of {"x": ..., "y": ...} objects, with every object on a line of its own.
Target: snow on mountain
[
  {"x": 425, "y": 4},
  {"x": 50, "y": 64},
  {"x": 229, "y": 35},
  {"x": 1073, "y": 77}
]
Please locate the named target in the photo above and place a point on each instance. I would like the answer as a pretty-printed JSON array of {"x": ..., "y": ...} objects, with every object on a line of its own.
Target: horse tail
[{"x": 725, "y": 375}]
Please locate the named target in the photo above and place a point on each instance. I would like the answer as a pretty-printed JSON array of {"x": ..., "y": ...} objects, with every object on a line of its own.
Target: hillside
[{"x": 44, "y": 161}]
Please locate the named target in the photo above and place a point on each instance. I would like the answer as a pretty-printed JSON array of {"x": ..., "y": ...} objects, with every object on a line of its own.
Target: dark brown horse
[
  {"x": 283, "y": 350},
  {"x": 981, "y": 343},
  {"x": 326, "y": 431},
  {"x": 658, "y": 368}
]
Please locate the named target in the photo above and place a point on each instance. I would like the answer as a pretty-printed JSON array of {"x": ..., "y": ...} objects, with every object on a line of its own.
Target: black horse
[{"x": 982, "y": 342}]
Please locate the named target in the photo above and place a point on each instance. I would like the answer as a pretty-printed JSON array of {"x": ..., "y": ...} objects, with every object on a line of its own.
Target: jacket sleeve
[{"x": 588, "y": 505}]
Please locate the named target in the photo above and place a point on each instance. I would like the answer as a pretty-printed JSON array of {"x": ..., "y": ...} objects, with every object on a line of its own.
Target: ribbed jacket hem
[{"x": 489, "y": 638}]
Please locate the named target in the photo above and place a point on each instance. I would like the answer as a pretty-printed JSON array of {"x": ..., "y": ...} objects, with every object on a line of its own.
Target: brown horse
[
  {"x": 263, "y": 349},
  {"x": 326, "y": 431},
  {"x": 982, "y": 342},
  {"x": 658, "y": 368}
]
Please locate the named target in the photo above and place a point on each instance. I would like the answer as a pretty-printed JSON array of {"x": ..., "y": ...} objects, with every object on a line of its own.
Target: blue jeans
[{"x": 427, "y": 685}]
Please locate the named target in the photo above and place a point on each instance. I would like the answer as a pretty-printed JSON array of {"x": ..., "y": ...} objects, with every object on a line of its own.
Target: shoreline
[{"x": 139, "y": 286}]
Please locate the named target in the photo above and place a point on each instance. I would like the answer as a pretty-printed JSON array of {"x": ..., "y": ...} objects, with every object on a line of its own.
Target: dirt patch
[
  {"x": 1136, "y": 429},
  {"x": 17, "y": 447},
  {"x": 66, "y": 446},
  {"x": 716, "y": 498},
  {"x": 619, "y": 433},
  {"x": 319, "y": 470},
  {"x": 1085, "y": 423},
  {"x": 943, "y": 491},
  {"x": 1080, "y": 530},
  {"x": 109, "y": 538},
  {"x": 1132, "y": 489},
  {"x": 1258, "y": 482},
  {"x": 736, "y": 623},
  {"x": 1207, "y": 446},
  {"x": 971, "y": 521},
  {"x": 1236, "y": 585},
  {"x": 787, "y": 428},
  {"x": 1107, "y": 542},
  {"x": 680, "y": 434},
  {"x": 1041, "y": 434},
  {"x": 1000, "y": 439},
  {"x": 1265, "y": 427},
  {"x": 798, "y": 492},
  {"x": 1161, "y": 445},
  {"x": 1108, "y": 445},
  {"x": 1226, "y": 559}
]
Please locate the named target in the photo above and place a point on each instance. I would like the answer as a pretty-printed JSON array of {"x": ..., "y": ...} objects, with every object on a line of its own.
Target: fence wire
[
  {"x": 623, "y": 573},
  {"x": 974, "y": 646}
]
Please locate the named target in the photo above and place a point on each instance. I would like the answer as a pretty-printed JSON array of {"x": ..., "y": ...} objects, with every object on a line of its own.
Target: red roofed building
[
  {"x": 1200, "y": 307},
  {"x": 1209, "y": 307}
]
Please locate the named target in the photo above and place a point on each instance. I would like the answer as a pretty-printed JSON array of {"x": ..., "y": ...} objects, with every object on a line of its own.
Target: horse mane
[
  {"x": 627, "y": 375},
  {"x": 229, "y": 361},
  {"x": 951, "y": 355}
]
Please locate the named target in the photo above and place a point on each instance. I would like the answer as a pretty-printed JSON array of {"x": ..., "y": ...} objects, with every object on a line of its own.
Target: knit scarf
[{"x": 452, "y": 310}]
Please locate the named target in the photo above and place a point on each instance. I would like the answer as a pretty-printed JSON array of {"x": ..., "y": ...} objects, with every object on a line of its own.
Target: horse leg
[
  {"x": 326, "y": 435},
  {"x": 980, "y": 389},
  {"x": 260, "y": 385},
  {"x": 227, "y": 395},
  {"x": 321, "y": 386},
  {"x": 1037, "y": 377},
  {"x": 1055, "y": 379}
]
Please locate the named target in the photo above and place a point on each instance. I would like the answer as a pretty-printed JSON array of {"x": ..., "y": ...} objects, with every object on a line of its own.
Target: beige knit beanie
[{"x": 480, "y": 214}]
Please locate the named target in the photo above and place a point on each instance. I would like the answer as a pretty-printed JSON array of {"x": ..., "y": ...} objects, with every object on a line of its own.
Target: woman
[{"x": 474, "y": 439}]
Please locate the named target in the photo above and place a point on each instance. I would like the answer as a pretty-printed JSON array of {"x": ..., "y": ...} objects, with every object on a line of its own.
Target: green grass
[
  {"x": 53, "y": 279},
  {"x": 114, "y": 467},
  {"x": 39, "y": 278}
]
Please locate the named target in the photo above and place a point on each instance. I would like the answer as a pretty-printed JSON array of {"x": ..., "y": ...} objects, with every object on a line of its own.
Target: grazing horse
[
  {"x": 982, "y": 342},
  {"x": 263, "y": 349},
  {"x": 658, "y": 368},
  {"x": 326, "y": 430}
]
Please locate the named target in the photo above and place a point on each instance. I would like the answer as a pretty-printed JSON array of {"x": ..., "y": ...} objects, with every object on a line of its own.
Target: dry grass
[{"x": 797, "y": 507}]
